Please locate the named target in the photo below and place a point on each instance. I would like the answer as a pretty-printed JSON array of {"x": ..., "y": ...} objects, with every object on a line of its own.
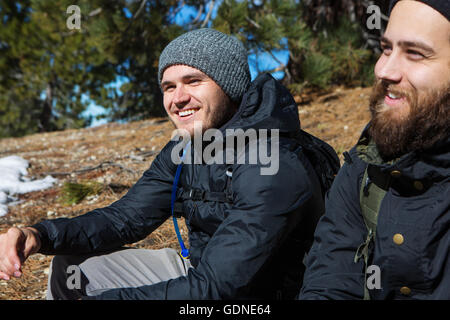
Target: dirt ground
[{"x": 116, "y": 155}]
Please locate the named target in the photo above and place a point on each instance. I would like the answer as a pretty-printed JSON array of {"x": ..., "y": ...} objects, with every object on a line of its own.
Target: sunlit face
[
  {"x": 191, "y": 96},
  {"x": 416, "y": 55},
  {"x": 409, "y": 103}
]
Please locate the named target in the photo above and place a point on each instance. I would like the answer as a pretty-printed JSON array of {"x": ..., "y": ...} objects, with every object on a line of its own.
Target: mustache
[{"x": 381, "y": 89}]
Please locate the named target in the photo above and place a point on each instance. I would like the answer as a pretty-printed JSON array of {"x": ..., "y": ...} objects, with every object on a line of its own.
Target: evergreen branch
[
  {"x": 208, "y": 15},
  {"x": 281, "y": 66},
  {"x": 176, "y": 10},
  {"x": 95, "y": 12},
  {"x": 254, "y": 23},
  {"x": 137, "y": 13},
  {"x": 141, "y": 7},
  {"x": 199, "y": 14},
  {"x": 99, "y": 166}
]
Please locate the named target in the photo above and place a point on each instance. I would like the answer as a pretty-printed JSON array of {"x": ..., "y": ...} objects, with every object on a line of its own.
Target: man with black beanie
[{"x": 386, "y": 230}]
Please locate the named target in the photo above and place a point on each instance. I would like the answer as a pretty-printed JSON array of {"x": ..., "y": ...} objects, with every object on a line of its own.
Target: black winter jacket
[
  {"x": 416, "y": 210},
  {"x": 250, "y": 248}
]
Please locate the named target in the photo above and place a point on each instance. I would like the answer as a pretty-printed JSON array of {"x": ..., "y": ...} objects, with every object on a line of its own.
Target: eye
[
  {"x": 168, "y": 88},
  {"x": 387, "y": 50},
  {"x": 415, "y": 54},
  {"x": 194, "y": 81}
]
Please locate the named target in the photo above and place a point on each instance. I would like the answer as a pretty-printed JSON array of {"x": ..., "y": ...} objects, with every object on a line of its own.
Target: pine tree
[
  {"x": 133, "y": 44},
  {"x": 324, "y": 41},
  {"x": 49, "y": 73},
  {"x": 46, "y": 68}
]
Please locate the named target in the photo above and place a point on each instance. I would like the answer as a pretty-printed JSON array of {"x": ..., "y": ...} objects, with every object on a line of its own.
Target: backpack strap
[
  {"x": 196, "y": 194},
  {"x": 202, "y": 195},
  {"x": 371, "y": 195}
]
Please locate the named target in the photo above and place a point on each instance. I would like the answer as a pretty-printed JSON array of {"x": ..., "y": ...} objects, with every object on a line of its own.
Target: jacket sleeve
[
  {"x": 262, "y": 215},
  {"x": 145, "y": 207},
  {"x": 331, "y": 272}
]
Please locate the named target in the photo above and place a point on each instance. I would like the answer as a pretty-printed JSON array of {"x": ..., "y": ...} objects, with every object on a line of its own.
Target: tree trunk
[{"x": 44, "y": 120}]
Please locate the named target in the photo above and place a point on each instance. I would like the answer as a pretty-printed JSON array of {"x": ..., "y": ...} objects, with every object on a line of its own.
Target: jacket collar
[
  {"x": 267, "y": 104},
  {"x": 427, "y": 165}
]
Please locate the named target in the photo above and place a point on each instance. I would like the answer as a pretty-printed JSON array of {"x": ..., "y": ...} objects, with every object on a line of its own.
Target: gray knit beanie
[{"x": 221, "y": 57}]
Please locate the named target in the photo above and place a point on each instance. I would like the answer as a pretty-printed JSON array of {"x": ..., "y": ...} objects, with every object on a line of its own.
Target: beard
[{"x": 426, "y": 122}]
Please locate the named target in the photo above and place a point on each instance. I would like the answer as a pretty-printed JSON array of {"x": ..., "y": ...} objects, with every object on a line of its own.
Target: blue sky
[{"x": 263, "y": 60}]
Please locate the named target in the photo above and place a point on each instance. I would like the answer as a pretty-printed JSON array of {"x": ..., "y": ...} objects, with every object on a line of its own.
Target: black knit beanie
[{"x": 443, "y": 6}]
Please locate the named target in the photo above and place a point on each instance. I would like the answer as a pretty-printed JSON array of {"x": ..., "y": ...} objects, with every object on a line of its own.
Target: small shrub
[{"x": 73, "y": 193}]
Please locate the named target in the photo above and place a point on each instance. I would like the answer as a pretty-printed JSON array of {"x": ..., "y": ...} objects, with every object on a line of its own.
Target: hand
[{"x": 15, "y": 247}]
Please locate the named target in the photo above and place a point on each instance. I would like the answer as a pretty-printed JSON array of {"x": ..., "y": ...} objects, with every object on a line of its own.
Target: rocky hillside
[{"x": 116, "y": 155}]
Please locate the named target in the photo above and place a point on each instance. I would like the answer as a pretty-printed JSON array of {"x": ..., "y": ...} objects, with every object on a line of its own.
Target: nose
[
  {"x": 389, "y": 68},
  {"x": 181, "y": 97}
]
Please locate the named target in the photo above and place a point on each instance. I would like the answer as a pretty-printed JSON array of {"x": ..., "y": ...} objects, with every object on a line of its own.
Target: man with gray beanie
[
  {"x": 386, "y": 230},
  {"x": 248, "y": 231}
]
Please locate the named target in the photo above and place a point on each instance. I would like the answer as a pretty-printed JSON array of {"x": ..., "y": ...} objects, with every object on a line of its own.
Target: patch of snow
[{"x": 14, "y": 180}]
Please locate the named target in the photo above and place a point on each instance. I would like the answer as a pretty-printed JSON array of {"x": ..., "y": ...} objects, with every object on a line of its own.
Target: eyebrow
[
  {"x": 188, "y": 76},
  {"x": 410, "y": 44}
]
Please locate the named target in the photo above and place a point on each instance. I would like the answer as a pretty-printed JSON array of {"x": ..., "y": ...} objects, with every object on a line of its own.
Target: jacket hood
[
  {"x": 430, "y": 164},
  {"x": 267, "y": 104}
]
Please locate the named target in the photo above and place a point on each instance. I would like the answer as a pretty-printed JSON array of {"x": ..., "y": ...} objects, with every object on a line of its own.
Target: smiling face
[
  {"x": 191, "y": 96},
  {"x": 412, "y": 79}
]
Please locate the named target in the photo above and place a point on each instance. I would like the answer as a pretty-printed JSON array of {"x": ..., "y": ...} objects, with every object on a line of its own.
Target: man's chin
[
  {"x": 389, "y": 128},
  {"x": 190, "y": 127},
  {"x": 394, "y": 115}
]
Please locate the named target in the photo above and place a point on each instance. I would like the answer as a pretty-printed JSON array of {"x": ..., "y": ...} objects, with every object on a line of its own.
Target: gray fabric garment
[
  {"x": 120, "y": 269},
  {"x": 221, "y": 57}
]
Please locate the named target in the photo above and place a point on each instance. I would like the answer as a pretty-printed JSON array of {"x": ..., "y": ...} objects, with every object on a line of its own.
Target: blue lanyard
[{"x": 184, "y": 252}]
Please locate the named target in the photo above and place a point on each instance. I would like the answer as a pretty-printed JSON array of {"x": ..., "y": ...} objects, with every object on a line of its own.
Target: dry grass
[{"x": 337, "y": 117}]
